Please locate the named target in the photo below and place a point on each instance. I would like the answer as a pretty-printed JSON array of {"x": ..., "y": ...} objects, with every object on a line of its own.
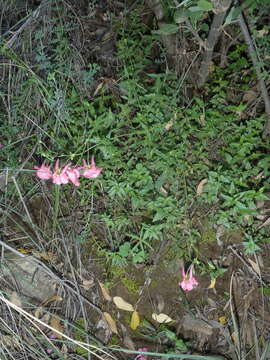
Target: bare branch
[{"x": 32, "y": 18}]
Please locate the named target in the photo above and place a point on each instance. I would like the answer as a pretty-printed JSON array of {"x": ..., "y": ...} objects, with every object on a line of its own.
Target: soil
[{"x": 203, "y": 317}]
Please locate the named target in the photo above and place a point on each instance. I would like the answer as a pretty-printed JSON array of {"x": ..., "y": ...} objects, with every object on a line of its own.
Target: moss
[
  {"x": 119, "y": 272},
  {"x": 154, "y": 284},
  {"x": 114, "y": 340},
  {"x": 208, "y": 234},
  {"x": 131, "y": 285}
]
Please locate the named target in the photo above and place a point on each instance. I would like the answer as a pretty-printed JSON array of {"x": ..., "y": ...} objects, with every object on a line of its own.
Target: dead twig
[{"x": 33, "y": 17}]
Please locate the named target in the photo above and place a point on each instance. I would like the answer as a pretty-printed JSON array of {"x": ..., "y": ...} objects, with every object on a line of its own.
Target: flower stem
[{"x": 56, "y": 207}]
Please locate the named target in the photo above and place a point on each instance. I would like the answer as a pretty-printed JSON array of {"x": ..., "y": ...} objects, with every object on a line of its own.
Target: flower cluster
[
  {"x": 68, "y": 173},
  {"x": 142, "y": 356},
  {"x": 189, "y": 282}
]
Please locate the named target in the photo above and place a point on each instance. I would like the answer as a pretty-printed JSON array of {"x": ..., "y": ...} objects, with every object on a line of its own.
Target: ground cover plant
[{"x": 134, "y": 180}]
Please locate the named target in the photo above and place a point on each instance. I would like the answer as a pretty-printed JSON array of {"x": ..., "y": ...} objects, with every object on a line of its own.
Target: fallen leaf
[
  {"x": 169, "y": 125},
  {"x": 110, "y": 322},
  {"x": 105, "y": 292},
  {"x": 200, "y": 186},
  {"x": 47, "y": 255},
  {"x": 164, "y": 191},
  {"x": 87, "y": 284},
  {"x": 135, "y": 320},
  {"x": 161, "y": 318},
  {"x": 222, "y": 320},
  {"x": 55, "y": 323},
  {"x": 212, "y": 284},
  {"x": 161, "y": 303},
  {"x": 234, "y": 337},
  {"x": 255, "y": 266},
  {"x": 261, "y": 33},
  {"x": 52, "y": 299},
  {"x": 39, "y": 312},
  {"x": 24, "y": 251},
  {"x": 122, "y": 304},
  {"x": 98, "y": 88}
]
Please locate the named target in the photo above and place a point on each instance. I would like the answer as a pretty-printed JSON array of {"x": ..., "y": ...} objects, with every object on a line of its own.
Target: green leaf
[
  {"x": 181, "y": 15},
  {"x": 166, "y": 29},
  {"x": 233, "y": 15},
  {"x": 124, "y": 249},
  {"x": 205, "y": 5}
]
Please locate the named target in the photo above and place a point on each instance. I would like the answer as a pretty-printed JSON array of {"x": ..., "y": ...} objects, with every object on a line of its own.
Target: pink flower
[
  {"x": 189, "y": 282},
  {"x": 90, "y": 171},
  {"x": 59, "y": 176},
  {"x": 43, "y": 172},
  {"x": 73, "y": 175},
  {"x": 141, "y": 356}
]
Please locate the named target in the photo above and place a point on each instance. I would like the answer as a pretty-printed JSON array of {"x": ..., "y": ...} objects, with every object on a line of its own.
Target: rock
[{"x": 23, "y": 274}]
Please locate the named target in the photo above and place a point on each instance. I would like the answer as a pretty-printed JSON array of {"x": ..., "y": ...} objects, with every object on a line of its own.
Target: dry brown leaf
[
  {"x": 255, "y": 266},
  {"x": 212, "y": 284},
  {"x": 222, "y": 320},
  {"x": 98, "y": 88},
  {"x": 169, "y": 125},
  {"x": 47, "y": 255},
  {"x": 105, "y": 292},
  {"x": 122, "y": 304},
  {"x": 39, "y": 312},
  {"x": 164, "y": 191},
  {"x": 110, "y": 322},
  {"x": 161, "y": 318},
  {"x": 135, "y": 320},
  {"x": 200, "y": 186},
  {"x": 24, "y": 251},
  {"x": 261, "y": 33},
  {"x": 52, "y": 299},
  {"x": 234, "y": 337},
  {"x": 161, "y": 303},
  {"x": 87, "y": 284},
  {"x": 56, "y": 324},
  {"x": 15, "y": 299}
]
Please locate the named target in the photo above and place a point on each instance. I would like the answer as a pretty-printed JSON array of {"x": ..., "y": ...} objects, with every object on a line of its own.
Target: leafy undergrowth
[{"x": 184, "y": 180}]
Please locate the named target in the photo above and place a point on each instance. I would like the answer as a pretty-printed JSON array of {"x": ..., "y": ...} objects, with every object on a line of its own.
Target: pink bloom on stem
[
  {"x": 43, "y": 172},
  {"x": 73, "y": 175},
  {"x": 189, "y": 282},
  {"x": 60, "y": 176},
  {"x": 141, "y": 356},
  {"x": 90, "y": 171}
]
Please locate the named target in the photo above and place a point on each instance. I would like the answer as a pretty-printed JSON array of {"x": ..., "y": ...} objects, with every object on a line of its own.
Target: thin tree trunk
[
  {"x": 256, "y": 64},
  {"x": 169, "y": 41},
  {"x": 220, "y": 9}
]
